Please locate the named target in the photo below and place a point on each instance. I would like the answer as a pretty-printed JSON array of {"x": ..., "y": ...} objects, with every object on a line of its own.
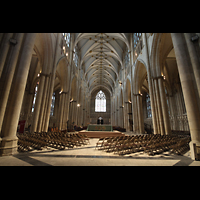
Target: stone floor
[{"x": 88, "y": 156}]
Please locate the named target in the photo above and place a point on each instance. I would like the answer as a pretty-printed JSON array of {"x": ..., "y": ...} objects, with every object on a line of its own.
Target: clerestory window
[
  {"x": 136, "y": 38},
  {"x": 75, "y": 56},
  {"x": 67, "y": 38}
]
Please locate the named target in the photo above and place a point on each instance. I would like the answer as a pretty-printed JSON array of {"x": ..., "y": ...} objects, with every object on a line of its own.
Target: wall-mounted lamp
[
  {"x": 78, "y": 105},
  {"x": 60, "y": 92},
  {"x": 163, "y": 77}
]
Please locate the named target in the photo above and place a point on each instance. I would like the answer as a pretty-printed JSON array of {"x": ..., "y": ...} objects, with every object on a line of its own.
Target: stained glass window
[
  {"x": 52, "y": 104},
  {"x": 136, "y": 38},
  {"x": 148, "y": 106},
  {"x": 34, "y": 99},
  {"x": 75, "y": 56},
  {"x": 100, "y": 102},
  {"x": 67, "y": 38}
]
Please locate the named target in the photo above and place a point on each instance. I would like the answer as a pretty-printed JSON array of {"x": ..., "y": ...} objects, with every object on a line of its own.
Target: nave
[
  {"x": 89, "y": 155},
  {"x": 133, "y": 81}
]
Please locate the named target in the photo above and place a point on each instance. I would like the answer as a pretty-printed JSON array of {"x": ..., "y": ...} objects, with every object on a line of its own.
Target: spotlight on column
[{"x": 78, "y": 105}]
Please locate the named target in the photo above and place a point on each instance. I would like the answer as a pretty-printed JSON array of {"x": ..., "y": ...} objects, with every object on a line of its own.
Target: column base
[
  {"x": 194, "y": 150},
  {"x": 8, "y": 146}
]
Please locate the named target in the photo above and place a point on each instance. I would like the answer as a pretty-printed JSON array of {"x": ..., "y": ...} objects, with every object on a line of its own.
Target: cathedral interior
[{"x": 142, "y": 84}]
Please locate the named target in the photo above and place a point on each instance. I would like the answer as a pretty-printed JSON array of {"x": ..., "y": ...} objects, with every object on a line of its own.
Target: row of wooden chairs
[
  {"x": 57, "y": 140},
  {"x": 178, "y": 132},
  {"x": 150, "y": 144},
  {"x": 182, "y": 146}
]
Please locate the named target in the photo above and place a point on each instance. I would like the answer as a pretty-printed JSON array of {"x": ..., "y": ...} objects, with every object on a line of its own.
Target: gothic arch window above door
[{"x": 100, "y": 102}]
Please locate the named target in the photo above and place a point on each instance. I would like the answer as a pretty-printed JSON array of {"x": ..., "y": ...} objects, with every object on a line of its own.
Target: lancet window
[
  {"x": 148, "y": 102},
  {"x": 53, "y": 104},
  {"x": 35, "y": 94}
]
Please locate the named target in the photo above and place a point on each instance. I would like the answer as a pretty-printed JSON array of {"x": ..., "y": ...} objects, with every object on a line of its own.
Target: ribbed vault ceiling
[{"x": 101, "y": 57}]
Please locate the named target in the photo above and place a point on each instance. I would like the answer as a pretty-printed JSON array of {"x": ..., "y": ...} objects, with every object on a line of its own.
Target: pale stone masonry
[{"x": 74, "y": 67}]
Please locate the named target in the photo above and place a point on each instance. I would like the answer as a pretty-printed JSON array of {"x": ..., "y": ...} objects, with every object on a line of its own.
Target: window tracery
[
  {"x": 136, "y": 38},
  {"x": 137, "y": 45},
  {"x": 100, "y": 102}
]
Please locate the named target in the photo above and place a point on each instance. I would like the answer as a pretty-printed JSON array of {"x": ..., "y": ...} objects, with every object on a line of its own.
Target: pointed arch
[{"x": 100, "y": 102}]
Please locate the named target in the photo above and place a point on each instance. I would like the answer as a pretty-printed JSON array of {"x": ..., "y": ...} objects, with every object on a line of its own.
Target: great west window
[{"x": 100, "y": 102}]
